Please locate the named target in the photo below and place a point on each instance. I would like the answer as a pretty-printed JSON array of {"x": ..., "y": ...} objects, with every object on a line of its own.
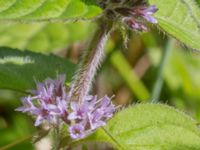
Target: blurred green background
[{"x": 153, "y": 68}]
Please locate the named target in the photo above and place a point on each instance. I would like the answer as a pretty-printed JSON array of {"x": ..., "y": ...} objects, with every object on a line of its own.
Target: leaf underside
[
  {"x": 20, "y": 69},
  {"x": 181, "y": 19},
  {"x": 53, "y": 10}
]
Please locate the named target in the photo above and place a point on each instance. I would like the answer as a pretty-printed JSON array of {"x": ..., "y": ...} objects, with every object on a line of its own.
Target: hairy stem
[{"x": 90, "y": 62}]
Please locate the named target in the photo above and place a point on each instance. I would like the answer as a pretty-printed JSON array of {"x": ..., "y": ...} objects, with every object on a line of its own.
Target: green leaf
[
  {"x": 43, "y": 37},
  {"x": 150, "y": 127},
  {"x": 18, "y": 69},
  {"x": 198, "y": 1},
  {"x": 181, "y": 19},
  {"x": 44, "y": 10}
]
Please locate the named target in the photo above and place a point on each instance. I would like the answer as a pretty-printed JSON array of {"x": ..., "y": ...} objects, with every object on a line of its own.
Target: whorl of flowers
[
  {"x": 50, "y": 104},
  {"x": 133, "y": 13}
]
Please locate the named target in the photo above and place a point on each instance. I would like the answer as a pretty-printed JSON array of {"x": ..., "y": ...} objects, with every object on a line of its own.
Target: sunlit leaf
[
  {"x": 181, "y": 19},
  {"x": 47, "y": 10},
  {"x": 150, "y": 127}
]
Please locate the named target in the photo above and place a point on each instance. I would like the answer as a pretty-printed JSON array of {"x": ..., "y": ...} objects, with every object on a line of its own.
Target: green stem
[{"x": 157, "y": 88}]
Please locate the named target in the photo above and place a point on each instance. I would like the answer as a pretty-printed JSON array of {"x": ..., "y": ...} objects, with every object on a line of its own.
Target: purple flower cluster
[
  {"x": 50, "y": 104},
  {"x": 135, "y": 17},
  {"x": 138, "y": 14},
  {"x": 90, "y": 115},
  {"x": 133, "y": 13}
]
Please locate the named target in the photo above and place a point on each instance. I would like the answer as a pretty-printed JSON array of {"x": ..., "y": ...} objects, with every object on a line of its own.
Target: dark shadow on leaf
[{"x": 20, "y": 69}]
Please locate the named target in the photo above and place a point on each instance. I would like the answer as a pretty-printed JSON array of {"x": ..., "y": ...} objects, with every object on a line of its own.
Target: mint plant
[
  {"x": 71, "y": 113},
  {"x": 50, "y": 104}
]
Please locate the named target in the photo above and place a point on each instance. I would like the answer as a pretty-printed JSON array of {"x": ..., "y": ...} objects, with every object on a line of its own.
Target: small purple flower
[
  {"x": 50, "y": 89},
  {"x": 135, "y": 25},
  {"x": 95, "y": 119},
  {"x": 59, "y": 88},
  {"x": 91, "y": 114},
  {"x": 28, "y": 105},
  {"x": 107, "y": 107},
  {"x": 42, "y": 114},
  {"x": 137, "y": 16},
  {"x": 62, "y": 106},
  {"x": 90, "y": 101},
  {"x": 146, "y": 12},
  {"x": 48, "y": 102},
  {"x": 103, "y": 111},
  {"x": 78, "y": 111},
  {"x": 77, "y": 131}
]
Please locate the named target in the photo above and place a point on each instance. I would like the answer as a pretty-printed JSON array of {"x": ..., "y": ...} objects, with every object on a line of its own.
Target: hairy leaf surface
[
  {"x": 150, "y": 127},
  {"x": 181, "y": 19}
]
